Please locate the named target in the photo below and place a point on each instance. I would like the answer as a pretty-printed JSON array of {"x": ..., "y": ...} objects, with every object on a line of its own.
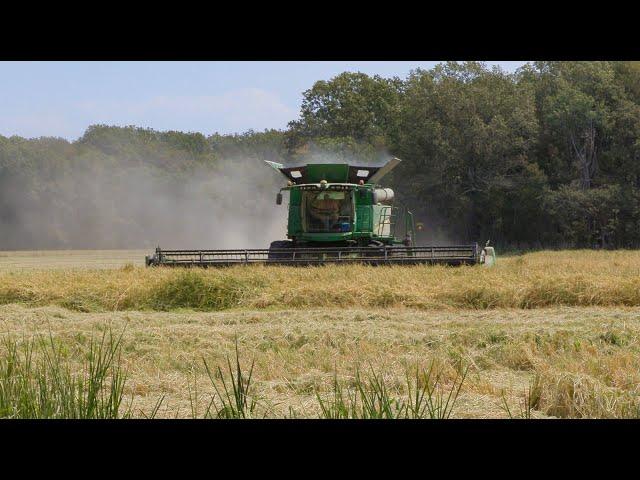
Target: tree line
[{"x": 545, "y": 157}]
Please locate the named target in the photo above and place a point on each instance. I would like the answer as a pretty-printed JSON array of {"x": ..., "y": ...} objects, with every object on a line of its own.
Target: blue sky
[{"x": 62, "y": 99}]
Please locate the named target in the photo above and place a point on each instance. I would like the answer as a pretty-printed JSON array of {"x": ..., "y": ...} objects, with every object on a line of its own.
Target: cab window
[{"x": 327, "y": 211}]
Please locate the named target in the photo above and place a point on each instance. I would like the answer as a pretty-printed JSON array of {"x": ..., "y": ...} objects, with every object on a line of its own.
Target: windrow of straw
[
  {"x": 38, "y": 379},
  {"x": 577, "y": 278}
]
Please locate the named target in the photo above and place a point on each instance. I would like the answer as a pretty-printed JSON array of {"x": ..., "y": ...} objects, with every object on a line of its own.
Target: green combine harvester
[{"x": 338, "y": 213}]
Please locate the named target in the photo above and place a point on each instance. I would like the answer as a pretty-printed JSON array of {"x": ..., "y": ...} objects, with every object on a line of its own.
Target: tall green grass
[
  {"x": 45, "y": 377},
  {"x": 233, "y": 393},
  {"x": 426, "y": 397},
  {"x": 529, "y": 403},
  {"x": 37, "y": 381}
]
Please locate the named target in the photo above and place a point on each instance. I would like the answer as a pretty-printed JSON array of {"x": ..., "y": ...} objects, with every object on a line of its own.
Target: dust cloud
[
  {"x": 231, "y": 205},
  {"x": 228, "y": 205}
]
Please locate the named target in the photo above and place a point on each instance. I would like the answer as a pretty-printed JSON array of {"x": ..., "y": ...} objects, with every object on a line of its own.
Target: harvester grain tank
[{"x": 338, "y": 213}]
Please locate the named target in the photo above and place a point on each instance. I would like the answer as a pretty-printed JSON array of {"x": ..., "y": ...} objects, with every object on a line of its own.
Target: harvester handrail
[{"x": 385, "y": 254}]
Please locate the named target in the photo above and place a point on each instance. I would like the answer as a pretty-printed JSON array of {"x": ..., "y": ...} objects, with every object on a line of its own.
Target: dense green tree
[
  {"x": 465, "y": 134},
  {"x": 351, "y": 105}
]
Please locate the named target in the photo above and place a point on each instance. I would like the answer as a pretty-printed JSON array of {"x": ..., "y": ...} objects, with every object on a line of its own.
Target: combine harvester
[{"x": 338, "y": 213}]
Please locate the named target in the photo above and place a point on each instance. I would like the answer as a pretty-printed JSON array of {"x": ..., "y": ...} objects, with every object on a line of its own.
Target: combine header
[{"x": 338, "y": 213}]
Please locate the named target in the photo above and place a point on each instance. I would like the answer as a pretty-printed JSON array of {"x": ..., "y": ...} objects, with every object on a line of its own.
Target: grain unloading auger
[{"x": 338, "y": 213}]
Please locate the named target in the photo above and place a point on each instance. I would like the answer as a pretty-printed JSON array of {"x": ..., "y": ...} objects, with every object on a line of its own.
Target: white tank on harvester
[{"x": 337, "y": 213}]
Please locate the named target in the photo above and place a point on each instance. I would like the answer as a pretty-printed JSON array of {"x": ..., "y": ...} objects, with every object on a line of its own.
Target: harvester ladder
[{"x": 387, "y": 217}]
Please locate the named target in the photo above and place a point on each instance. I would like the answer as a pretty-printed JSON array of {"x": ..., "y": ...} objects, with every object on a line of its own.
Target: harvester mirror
[{"x": 279, "y": 199}]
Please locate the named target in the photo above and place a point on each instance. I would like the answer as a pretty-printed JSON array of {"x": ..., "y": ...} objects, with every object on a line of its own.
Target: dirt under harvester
[{"x": 337, "y": 214}]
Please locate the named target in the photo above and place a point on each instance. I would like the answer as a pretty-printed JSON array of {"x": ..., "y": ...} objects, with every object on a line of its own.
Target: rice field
[
  {"x": 65, "y": 259},
  {"x": 548, "y": 334}
]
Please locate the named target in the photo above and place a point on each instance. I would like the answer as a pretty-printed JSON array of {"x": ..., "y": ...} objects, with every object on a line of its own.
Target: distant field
[
  {"x": 71, "y": 259},
  {"x": 561, "y": 329}
]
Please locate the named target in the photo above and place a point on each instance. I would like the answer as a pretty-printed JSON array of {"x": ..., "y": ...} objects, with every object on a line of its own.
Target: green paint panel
[
  {"x": 294, "y": 226},
  {"x": 332, "y": 173},
  {"x": 295, "y": 196},
  {"x": 363, "y": 218}
]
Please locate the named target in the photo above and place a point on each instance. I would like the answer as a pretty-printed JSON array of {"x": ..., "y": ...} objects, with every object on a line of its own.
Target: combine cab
[{"x": 338, "y": 213}]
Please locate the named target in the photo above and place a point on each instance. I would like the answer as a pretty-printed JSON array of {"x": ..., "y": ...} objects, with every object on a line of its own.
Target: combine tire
[{"x": 279, "y": 255}]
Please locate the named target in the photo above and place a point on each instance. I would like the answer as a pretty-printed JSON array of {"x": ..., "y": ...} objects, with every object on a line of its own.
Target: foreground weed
[
  {"x": 235, "y": 398},
  {"x": 426, "y": 397},
  {"x": 342, "y": 404},
  {"x": 376, "y": 402},
  {"x": 369, "y": 399},
  {"x": 530, "y": 402},
  {"x": 37, "y": 382},
  {"x": 155, "y": 409}
]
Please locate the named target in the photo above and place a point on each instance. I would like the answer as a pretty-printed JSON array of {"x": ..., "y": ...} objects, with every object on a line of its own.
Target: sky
[{"x": 61, "y": 99}]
